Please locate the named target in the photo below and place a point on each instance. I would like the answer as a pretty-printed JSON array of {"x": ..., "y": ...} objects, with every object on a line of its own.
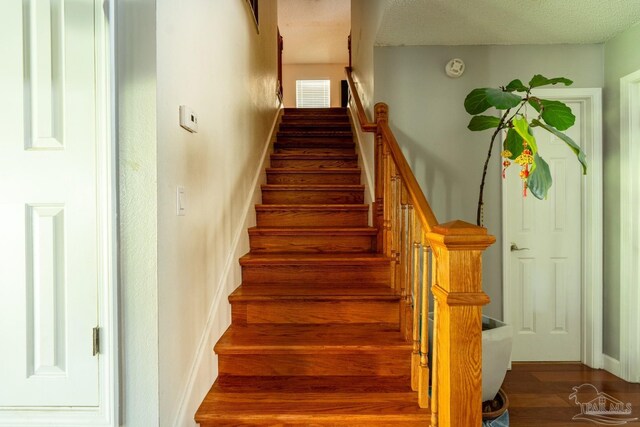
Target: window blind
[{"x": 313, "y": 93}]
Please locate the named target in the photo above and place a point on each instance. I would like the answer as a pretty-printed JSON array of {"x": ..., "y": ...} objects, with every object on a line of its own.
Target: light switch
[
  {"x": 188, "y": 119},
  {"x": 180, "y": 201}
]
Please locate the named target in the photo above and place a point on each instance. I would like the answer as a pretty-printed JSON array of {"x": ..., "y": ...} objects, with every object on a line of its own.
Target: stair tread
[
  {"x": 314, "y": 170},
  {"x": 306, "y": 339},
  {"x": 317, "y": 124},
  {"x": 313, "y": 292},
  {"x": 371, "y": 231},
  {"x": 314, "y": 133},
  {"x": 304, "y": 258},
  {"x": 323, "y": 187},
  {"x": 315, "y": 156},
  {"x": 345, "y": 400},
  {"x": 336, "y": 207}
]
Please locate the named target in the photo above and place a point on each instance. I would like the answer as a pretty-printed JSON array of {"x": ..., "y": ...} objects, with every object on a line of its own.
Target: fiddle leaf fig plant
[{"x": 522, "y": 114}]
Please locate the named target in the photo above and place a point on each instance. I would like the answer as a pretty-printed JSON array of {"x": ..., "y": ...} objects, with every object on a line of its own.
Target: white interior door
[
  {"x": 543, "y": 255},
  {"x": 48, "y": 204}
]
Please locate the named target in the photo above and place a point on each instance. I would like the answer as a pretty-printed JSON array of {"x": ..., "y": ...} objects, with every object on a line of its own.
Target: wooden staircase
[{"x": 315, "y": 337}]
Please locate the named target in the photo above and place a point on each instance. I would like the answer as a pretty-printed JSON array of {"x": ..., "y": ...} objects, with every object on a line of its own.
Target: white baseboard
[
  {"x": 204, "y": 369},
  {"x": 611, "y": 365}
]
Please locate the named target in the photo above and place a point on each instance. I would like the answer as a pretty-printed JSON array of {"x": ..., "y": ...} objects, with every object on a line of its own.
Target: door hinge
[{"x": 96, "y": 340}]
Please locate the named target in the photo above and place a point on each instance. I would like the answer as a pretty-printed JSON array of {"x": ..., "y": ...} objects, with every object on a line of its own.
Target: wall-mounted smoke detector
[{"x": 454, "y": 68}]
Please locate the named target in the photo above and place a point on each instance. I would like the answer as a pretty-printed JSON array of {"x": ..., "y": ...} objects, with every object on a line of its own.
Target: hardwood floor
[{"x": 539, "y": 393}]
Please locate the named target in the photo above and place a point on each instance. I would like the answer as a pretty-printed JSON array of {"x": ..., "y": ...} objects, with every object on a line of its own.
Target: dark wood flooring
[{"x": 539, "y": 393}]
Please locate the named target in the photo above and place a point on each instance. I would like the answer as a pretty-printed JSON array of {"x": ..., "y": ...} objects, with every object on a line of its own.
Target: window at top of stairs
[{"x": 313, "y": 93}]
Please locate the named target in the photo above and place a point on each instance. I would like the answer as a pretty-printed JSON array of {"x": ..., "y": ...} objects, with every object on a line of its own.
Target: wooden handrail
[
  {"x": 444, "y": 259},
  {"x": 365, "y": 124}
]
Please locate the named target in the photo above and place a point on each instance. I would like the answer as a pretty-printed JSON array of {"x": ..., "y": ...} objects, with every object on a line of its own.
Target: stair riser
[
  {"x": 309, "y": 133},
  {"x": 319, "y": 122},
  {"x": 285, "y": 149},
  {"x": 315, "y": 127},
  {"x": 312, "y": 244},
  {"x": 326, "y": 218},
  {"x": 316, "y": 143},
  {"x": 346, "y": 147},
  {"x": 316, "y": 113},
  {"x": 313, "y": 163},
  {"x": 356, "y": 363},
  {"x": 338, "y": 111},
  {"x": 316, "y": 117},
  {"x": 313, "y": 178},
  {"x": 325, "y": 274},
  {"x": 307, "y": 197},
  {"x": 315, "y": 312}
]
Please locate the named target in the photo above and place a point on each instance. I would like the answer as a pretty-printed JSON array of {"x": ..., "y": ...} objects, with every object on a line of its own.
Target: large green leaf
[
  {"x": 502, "y": 100},
  {"x": 476, "y": 102},
  {"x": 480, "y": 100},
  {"x": 517, "y": 86},
  {"x": 513, "y": 143},
  {"x": 521, "y": 126},
  {"x": 554, "y": 113},
  {"x": 540, "y": 80},
  {"x": 582, "y": 158},
  {"x": 539, "y": 180},
  {"x": 483, "y": 122}
]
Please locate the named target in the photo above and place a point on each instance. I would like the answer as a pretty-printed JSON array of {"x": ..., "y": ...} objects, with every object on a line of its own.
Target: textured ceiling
[
  {"x": 473, "y": 22},
  {"x": 314, "y": 31}
]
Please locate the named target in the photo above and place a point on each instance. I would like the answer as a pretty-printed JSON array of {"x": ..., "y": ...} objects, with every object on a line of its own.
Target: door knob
[{"x": 515, "y": 247}]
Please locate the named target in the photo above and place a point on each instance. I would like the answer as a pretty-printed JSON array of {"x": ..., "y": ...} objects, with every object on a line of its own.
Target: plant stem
[{"x": 486, "y": 165}]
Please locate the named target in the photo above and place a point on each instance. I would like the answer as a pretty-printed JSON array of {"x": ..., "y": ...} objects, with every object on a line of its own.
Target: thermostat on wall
[{"x": 188, "y": 119}]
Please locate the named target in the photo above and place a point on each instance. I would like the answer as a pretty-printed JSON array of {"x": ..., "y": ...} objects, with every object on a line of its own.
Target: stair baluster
[
  {"x": 416, "y": 304},
  {"x": 423, "y": 378},
  {"x": 402, "y": 255},
  {"x": 408, "y": 315},
  {"x": 394, "y": 234}
]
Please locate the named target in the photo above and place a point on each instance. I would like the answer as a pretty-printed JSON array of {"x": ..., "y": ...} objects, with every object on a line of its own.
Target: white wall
[
  {"x": 366, "y": 16},
  {"x": 228, "y": 76},
  {"x": 136, "y": 92},
  {"x": 427, "y": 116},
  {"x": 622, "y": 57},
  {"x": 293, "y": 72},
  {"x": 176, "y": 272}
]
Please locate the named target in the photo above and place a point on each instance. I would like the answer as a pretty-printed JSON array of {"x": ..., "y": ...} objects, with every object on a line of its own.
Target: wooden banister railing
[
  {"x": 445, "y": 259},
  {"x": 364, "y": 123}
]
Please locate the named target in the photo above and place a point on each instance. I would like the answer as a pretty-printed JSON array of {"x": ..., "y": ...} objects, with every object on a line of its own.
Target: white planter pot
[{"x": 496, "y": 353}]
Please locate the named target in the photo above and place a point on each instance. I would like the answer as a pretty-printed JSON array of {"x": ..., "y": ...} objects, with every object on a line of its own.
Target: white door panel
[
  {"x": 48, "y": 204},
  {"x": 545, "y": 275}
]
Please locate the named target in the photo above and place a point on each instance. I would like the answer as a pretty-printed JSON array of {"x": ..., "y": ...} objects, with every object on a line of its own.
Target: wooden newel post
[
  {"x": 457, "y": 289},
  {"x": 381, "y": 165}
]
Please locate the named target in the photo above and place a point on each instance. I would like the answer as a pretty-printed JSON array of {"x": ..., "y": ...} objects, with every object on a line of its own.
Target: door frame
[
  {"x": 591, "y": 228},
  {"x": 629, "y": 229},
  {"x": 107, "y": 411}
]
